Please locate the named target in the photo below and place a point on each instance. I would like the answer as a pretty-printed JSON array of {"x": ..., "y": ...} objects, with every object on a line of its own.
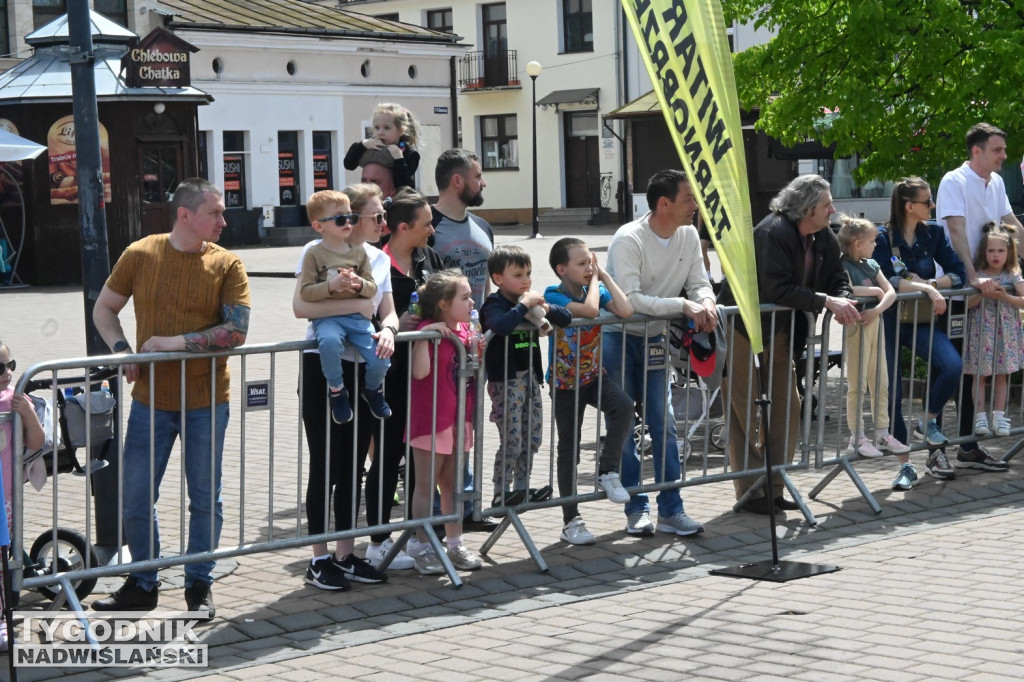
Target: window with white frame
[{"x": 499, "y": 141}]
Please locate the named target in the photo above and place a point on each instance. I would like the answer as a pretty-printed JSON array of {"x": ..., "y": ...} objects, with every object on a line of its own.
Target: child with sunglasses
[{"x": 336, "y": 269}]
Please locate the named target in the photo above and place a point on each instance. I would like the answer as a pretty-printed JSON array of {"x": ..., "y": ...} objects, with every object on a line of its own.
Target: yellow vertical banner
[{"x": 684, "y": 45}]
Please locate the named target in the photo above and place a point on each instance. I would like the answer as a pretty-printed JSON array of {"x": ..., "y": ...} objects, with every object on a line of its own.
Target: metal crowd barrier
[
  {"x": 265, "y": 457},
  {"x": 698, "y": 461},
  {"x": 954, "y": 324},
  {"x": 263, "y": 482}
]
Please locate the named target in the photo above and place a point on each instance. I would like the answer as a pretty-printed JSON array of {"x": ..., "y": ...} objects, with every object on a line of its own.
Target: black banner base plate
[{"x": 782, "y": 572}]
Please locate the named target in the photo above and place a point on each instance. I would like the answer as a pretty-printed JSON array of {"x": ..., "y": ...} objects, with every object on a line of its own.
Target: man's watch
[
  {"x": 121, "y": 346},
  {"x": 934, "y": 282}
]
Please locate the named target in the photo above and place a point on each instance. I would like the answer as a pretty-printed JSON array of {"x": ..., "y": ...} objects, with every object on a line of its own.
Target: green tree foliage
[{"x": 904, "y": 79}]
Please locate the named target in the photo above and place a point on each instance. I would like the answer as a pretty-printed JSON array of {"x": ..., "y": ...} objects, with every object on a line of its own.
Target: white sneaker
[
  {"x": 375, "y": 557},
  {"x": 427, "y": 562},
  {"x": 1003, "y": 426},
  {"x": 575, "y": 533},
  {"x": 981, "y": 424},
  {"x": 639, "y": 523},
  {"x": 463, "y": 559},
  {"x": 612, "y": 487}
]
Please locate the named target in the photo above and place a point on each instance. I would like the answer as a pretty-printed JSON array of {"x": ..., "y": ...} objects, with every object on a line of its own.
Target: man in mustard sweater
[{"x": 189, "y": 295}]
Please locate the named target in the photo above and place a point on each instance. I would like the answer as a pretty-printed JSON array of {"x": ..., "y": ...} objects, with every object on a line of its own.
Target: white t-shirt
[
  {"x": 380, "y": 266},
  {"x": 963, "y": 192}
]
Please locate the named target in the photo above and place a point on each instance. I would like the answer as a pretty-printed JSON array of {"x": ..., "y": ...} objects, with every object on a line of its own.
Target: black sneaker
[
  {"x": 540, "y": 494},
  {"x": 379, "y": 407},
  {"x": 130, "y": 597},
  {"x": 341, "y": 410},
  {"x": 978, "y": 458},
  {"x": 199, "y": 599},
  {"x": 326, "y": 575},
  {"x": 485, "y": 525},
  {"x": 509, "y": 499},
  {"x": 358, "y": 570}
]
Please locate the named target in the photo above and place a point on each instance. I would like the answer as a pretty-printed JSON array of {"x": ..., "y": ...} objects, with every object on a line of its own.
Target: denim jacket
[{"x": 931, "y": 246}]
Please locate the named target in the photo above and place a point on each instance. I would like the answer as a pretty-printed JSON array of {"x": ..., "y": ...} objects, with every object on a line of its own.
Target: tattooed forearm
[{"x": 228, "y": 334}]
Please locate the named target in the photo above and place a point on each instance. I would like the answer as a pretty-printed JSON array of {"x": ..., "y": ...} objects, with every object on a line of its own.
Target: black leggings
[{"x": 349, "y": 445}]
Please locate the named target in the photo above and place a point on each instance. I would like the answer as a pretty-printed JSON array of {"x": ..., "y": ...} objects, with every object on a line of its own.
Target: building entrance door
[
  {"x": 582, "y": 166},
  {"x": 161, "y": 168}
]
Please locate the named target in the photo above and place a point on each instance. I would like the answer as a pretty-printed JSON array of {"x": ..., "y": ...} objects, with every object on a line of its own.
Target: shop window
[
  {"x": 235, "y": 159},
  {"x": 288, "y": 167},
  {"x": 499, "y": 141},
  {"x": 323, "y": 159}
]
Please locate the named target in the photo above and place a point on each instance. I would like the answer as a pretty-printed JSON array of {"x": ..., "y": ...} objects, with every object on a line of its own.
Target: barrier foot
[
  {"x": 798, "y": 498},
  {"x": 492, "y": 539},
  {"x": 442, "y": 554},
  {"x": 828, "y": 478},
  {"x": 845, "y": 465},
  {"x": 1012, "y": 452},
  {"x": 742, "y": 501}
]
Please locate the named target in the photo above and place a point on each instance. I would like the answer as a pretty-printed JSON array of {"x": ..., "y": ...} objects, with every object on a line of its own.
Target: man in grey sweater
[{"x": 653, "y": 260}]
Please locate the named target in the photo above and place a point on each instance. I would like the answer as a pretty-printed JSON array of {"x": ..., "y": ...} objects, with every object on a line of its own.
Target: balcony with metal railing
[{"x": 487, "y": 70}]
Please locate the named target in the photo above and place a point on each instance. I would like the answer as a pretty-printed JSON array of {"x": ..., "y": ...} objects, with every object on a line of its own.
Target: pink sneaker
[
  {"x": 889, "y": 443},
  {"x": 864, "y": 447}
]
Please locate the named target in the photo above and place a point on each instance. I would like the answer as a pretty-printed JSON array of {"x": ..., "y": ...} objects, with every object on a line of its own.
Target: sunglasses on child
[
  {"x": 10, "y": 364},
  {"x": 352, "y": 218}
]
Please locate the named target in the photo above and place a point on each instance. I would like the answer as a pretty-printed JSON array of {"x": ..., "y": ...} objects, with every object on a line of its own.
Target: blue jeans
[
  {"x": 946, "y": 368},
  {"x": 658, "y": 415},
  {"x": 334, "y": 333},
  {"x": 204, "y": 504}
]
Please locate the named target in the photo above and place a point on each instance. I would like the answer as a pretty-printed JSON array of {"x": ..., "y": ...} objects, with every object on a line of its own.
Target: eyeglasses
[
  {"x": 341, "y": 219},
  {"x": 377, "y": 217},
  {"x": 10, "y": 364},
  {"x": 927, "y": 202}
]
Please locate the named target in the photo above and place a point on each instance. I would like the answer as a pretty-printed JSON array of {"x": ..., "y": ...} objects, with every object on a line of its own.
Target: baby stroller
[
  {"x": 67, "y": 549},
  {"x": 686, "y": 385}
]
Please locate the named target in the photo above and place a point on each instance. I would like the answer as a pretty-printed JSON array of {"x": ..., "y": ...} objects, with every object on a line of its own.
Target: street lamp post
[{"x": 533, "y": 70}]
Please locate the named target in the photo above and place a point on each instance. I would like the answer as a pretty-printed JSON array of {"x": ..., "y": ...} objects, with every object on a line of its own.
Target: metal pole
[
  {"x": 536, "y": 219},
  {"x": 92, "y": 217}
]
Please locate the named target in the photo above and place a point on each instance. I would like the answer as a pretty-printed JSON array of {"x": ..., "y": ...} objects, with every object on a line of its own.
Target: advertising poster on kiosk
[{"x": 60, "y": 142}]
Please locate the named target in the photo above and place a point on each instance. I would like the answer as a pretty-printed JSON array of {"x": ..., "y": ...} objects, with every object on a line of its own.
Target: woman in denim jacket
[{"x": 920, "y": 244}]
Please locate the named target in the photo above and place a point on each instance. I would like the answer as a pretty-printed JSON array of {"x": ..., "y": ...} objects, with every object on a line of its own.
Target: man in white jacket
[{"x": 653, "y": 260}]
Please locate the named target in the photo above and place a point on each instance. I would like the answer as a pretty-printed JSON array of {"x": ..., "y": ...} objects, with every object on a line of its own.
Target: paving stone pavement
[{"x": 929, "y": 589}]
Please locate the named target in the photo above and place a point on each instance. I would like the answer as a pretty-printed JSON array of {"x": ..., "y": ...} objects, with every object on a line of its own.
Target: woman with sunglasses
[
  {"x": 32, "y": 438},
  {"x": 337, "y": 470},
  {"x": 913, "y": 239}
]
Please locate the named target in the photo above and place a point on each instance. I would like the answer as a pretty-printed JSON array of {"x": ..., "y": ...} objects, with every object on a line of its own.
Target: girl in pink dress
[
  {"x": 447, "y": 298},
  {"x": 995, "y": 339}
]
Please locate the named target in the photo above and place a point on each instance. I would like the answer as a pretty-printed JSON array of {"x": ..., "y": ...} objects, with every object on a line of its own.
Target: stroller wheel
[
  {"x": 685, "y": 450},
  {"x": 642, "y": 436},
  {"x": 68, "y": 553},
  {"x": 718, "y": 436}
]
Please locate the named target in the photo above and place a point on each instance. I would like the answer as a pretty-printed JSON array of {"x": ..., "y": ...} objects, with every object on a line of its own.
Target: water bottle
[
  {"x": 414, "y": 305},
  {"x": 899, "y": 268},
  {"x": 475, "y": 336},
  {"x": 105, "y": 387},
  {"x": 69, "y": 392}
]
